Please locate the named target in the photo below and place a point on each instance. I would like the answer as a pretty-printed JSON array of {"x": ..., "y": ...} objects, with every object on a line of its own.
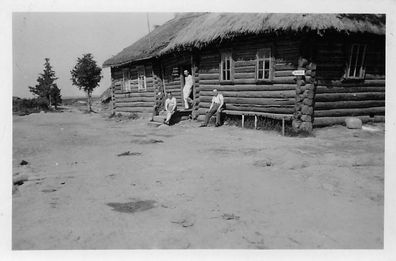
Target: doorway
[{"x": 187, "y": 67}]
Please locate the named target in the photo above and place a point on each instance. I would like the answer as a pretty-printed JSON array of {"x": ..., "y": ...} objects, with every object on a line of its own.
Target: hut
[{"x": 311, "y": 69}]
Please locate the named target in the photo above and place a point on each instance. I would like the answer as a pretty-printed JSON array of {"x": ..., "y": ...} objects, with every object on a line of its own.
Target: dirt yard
[{"x": 189, "y": 187}]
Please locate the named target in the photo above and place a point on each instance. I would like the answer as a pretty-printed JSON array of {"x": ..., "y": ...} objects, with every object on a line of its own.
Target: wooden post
[
  {"x": 243, "y": 120},
  {"x": 163, "y": 77},
  {"x": 255, "y": 122},
  {"x": 112, "y": 96},
  {"x": 283, "y": 126}
]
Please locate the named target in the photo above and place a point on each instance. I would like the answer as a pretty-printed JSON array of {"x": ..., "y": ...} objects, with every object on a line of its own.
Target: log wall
[
  {"x": 172, "y": 73},
  {"x": 245, "y": 93},
  {"x": 134, "y": 101},
  {"x": 337, "y": 98}
]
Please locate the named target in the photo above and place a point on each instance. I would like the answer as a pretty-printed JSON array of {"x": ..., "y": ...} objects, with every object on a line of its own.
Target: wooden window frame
[
  {"x": 141, "y": 78},
  {"x": 359, "y": 70},
  {"x": 260, "y": 58},
  {"x": 126, "y": 80},
  {"x": 227, "y": 55}
]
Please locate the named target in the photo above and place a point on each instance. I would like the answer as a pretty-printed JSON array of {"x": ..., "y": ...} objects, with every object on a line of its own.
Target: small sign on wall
[{"x": 298, "y": 72}]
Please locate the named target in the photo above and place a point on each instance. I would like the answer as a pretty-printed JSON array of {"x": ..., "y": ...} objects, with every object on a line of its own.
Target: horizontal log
[
  {"x": 244, "y": 81},
  {"x": 275, "y": 80},
  {"x": 375, "y": 82},
  {"x": 209, "y": 70},
  {"x": 134, "y": 99},
  {"x": 134, "y": 104},
  {"x": 209, "y": 82},
  {"x": 172, "y": 87},
  {"x": 135, "y": 91},
  {"x": 324, "y": 89},
  {"x": 325, "y": 44},
  {"x": 284, "y": 79},
  {"x": 244, "y": 63},
  {"x": 202, "y": 110},
  {"x": 134, "y": 109},
  {"x": 244, "y": 75},
  {"x": 279, "y": 110},
  {"x": 283, "y": 73},
  {"x": 351, "y": 84},
  {"x": 246, "y": 69},
  {"x": 326, "y": 121},
  {"x": 208, "y": 76},
  {"x": 210, "y": 56},
  {"x": 350, "y": 112},
  {"x": 285, "y": 67},
  {"x": 288, "y": 107},
  {"x": 287, "y": 42},
  {"x": 324, "y": 97},
  {"x": 274, "y": 87},
  {"x": 134, "y": 94},
  {"x": 349, "y": 104},
  {"x": 258, "y": 101},
  {"x": 254, "y": 94}
]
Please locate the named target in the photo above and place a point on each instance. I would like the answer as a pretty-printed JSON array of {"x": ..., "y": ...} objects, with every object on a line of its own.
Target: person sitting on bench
[
  {"x": 215, "y": 107},
  {"x": 170, "y": 107}
]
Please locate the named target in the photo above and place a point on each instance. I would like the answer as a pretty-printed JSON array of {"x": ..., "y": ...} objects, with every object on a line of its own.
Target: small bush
[{"x": 28, "y": 106}]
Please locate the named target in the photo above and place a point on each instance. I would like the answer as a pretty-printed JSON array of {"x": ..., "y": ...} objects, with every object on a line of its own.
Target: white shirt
[
  {"x": 170, "y": 103},
  {"x": 219, "y": 99},
  {"x": 189, "y": 82}
]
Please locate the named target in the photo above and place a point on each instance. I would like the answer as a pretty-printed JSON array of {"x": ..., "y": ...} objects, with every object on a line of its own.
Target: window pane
[
  {"x": 267, "y": 64},
  {"x": 228, "y": 64},
  {"x": 359, "y": 61},
  {"x": 224, "y": 75},
  {"x": 353, "y": 61},
  {"x": 266, "y": 74},
  {"x": 260, "y": 65},
  {"x": 228, "y": 75},
  {"x": 260, "y": 74}
]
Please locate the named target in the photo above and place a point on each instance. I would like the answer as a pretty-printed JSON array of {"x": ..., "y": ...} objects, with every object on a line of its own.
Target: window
[
  {"x": 264, "y": 64},
  {"x": 141, "y": 78},
  {"x": 355, "y": 69},
  {"x": 226, "y": 67},
  {"x": 126, "y": 83}
]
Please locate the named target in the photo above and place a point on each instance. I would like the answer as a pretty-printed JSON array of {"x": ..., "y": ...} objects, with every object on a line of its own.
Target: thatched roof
[{"x": 195, "y": 30}]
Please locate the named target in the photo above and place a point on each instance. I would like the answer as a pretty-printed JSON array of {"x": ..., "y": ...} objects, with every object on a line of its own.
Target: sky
[{"x": 63, "y": 37}]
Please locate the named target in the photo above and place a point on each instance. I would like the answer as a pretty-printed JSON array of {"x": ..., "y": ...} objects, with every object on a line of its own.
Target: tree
[
  {"x": 86, "y": 75},
  {"x": 46, "y": 89},
  {"x": 55, "y": 96}
]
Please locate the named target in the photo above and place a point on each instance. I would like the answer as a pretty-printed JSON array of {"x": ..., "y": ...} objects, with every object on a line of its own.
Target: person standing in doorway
[
  {"x": 216, "y": 106},
  {"x": 170, "y": 107},
  {"x": 188, "y": 83}
]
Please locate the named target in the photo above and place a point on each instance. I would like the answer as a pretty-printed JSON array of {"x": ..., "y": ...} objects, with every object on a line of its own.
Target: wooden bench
[{"x": 283, "y": 117}]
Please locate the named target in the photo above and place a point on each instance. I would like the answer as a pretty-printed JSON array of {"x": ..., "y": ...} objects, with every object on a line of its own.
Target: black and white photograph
[{"x": 197, "y": 129}]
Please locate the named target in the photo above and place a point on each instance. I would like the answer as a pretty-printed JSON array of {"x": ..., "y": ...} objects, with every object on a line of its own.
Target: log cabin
[{"x": 312, "y": 69}]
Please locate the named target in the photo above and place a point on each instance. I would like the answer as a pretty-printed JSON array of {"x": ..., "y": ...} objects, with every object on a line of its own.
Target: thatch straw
[
  {"x": 160, "y": 37},
  {"x": 200, "y": 29}
]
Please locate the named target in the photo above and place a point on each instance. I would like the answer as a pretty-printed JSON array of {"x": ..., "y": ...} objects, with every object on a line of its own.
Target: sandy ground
[{"x": 211, "y": 187}]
